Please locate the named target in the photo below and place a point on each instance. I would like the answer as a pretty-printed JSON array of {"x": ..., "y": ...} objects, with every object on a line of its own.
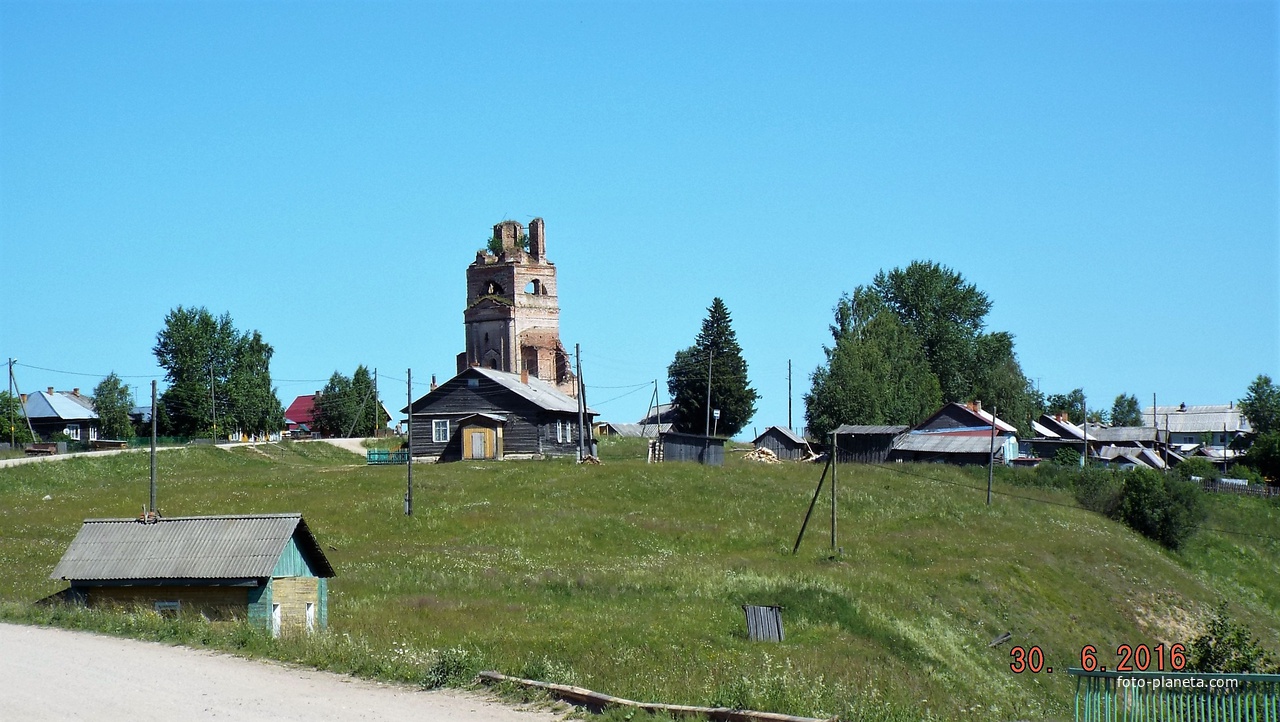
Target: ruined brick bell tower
[{"x": 513, "y": 314}]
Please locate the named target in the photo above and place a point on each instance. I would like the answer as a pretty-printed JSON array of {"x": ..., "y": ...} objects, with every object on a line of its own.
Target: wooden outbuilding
[
  {"x": 708, "y": 450},
  {"x": 784, "y": 443},
  {"x": 266, "y": 567},
  {"x": 865, "y": 443},
  {"x": 489, "y": 414}
]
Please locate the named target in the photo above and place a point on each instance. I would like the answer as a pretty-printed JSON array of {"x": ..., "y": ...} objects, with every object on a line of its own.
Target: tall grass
[{"x": 628, "y": 578}]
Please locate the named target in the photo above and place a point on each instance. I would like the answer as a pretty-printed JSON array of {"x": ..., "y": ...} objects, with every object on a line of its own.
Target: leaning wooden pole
[{"x": 816, "y": 493}]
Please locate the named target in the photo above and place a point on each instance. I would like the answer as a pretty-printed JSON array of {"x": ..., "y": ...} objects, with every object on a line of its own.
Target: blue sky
[{"x": 1106, "y": 172}]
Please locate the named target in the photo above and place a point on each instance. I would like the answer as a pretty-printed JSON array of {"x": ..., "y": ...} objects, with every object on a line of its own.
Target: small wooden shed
[
  {"x": 266, "y": 567},
  {"x": 784, "y": 443},
  {"x": 708, "y": 450}
]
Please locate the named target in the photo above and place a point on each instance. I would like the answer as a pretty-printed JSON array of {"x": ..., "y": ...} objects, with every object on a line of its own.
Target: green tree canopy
[
  {"x": 15, "y": 422},
  {"x": 876, "y": 374},
  {"x": 335, "y": 407},
  {"x": 945, "y": 315},
  {"x": 1072, "y": 404},
  {"x": 112, "y": 402},
  {"x": 730, "y": 390},
  {"x": 1261, "y": 405},
  {"x": 216, "y": 375},
  {"x": 1125, "y": 411},
  {"x": 945, "y": 312}
]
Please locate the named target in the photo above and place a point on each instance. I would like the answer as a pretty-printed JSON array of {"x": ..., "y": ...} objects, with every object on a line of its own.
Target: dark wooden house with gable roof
[
  {"x": 784, "y": 443},
  {"x": 488, "y": 414},
  {"x": 267, "y": 567}
]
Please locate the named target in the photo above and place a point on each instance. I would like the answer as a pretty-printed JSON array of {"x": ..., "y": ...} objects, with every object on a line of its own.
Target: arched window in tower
[
  {"x": 534, "y": 287},
  {"x": 493, "y": 289}
]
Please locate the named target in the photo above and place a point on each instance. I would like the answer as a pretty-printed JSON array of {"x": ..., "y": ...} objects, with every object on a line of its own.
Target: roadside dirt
[{"x": 56, "y": 674}]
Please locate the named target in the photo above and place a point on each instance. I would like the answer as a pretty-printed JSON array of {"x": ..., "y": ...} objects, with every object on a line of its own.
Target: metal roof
[
  {"x": 58, "y": 405},
  {"x": 537, "y": 391},
  {"x": 200, "y": 547},
  {"x": 870, "y": 430},
  {"x": 946, "y": 443},
  {"x": 637, "y": 430},
  {"x": 1043, "y": 431},
  {"x": 786, "y": 433},
  {"x": 1124, "y": 433},
  {"x": 1198, "y": 419},
  {"x": 1064, "y": 428}
]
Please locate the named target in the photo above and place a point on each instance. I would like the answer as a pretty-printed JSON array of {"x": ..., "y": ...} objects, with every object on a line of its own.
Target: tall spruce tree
[
  {"x": 731, "y": 393},
  {"x": 335, "y": 407}
]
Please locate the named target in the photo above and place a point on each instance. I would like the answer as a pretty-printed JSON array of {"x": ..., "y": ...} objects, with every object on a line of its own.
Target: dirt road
[{"x": 55, "y": 674}]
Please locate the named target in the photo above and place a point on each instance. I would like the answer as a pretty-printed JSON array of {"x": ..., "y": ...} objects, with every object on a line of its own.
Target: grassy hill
[{"x": 628, "y": 578}]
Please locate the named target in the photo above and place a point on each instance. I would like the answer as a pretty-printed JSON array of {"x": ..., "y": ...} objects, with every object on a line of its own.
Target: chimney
[
  {"x": 537, "y": 239},
  {"x": 524, "y": 376},
  {"x": 23, "y": 397},
  {"x": 317, "y": 394},
  {"x": 434, "y": 385},
  {"x": 51, "y": 391},
  {"x": 75, "y": 392},
  {"x": 977, "y": 405}
]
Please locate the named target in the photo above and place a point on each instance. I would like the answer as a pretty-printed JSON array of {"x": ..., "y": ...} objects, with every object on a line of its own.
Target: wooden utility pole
[
  {"x": 577, "y": 354},
  {"x": 710, "y": 355},
  {"x": 11, "y": 405},
  {"x": 991, "y": 464},
  {"x": 408, "y": 492},
  {"x": 789, "y": 426},
  {"x": 153, "y": 447},
  {"x": 835, "y": 464}
]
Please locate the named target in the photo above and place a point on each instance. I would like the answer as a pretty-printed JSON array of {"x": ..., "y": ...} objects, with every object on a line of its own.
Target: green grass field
[{"x": 628, "y": 578}]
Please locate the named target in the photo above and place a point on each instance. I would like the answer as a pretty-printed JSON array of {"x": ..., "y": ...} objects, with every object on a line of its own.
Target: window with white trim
[
  {"x": 73, "y": 430},
  {"x": 559, "y": 431},
  {"x": 440, "y": 431},
  {"x": 93, "y": 433}
]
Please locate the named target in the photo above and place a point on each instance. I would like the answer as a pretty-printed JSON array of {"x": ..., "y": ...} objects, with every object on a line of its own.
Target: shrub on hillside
[
  {"x": 1160, "y": 507},
  {"x": 1097, "y": 489},
  {"x": 1199, "y": 467},
  {"x": 1228, "y": 647}
]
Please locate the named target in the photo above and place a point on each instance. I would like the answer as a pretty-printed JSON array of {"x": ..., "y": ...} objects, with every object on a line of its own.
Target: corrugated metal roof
[
  {"x": 1199, "y": 419},
  {"x": 538, "y": 391},
  {"x": 870, "y": 429},
  {"x": 946, "y": 443},
  {"x": 1124, "y": 433},
  {"x": 786, "y": 433},
  {"x": 204, "y": 547},
  {"x": 59, "y": 405},
  {"x": 638, "y": 430},
  {"x": 1065, "y": 428}
]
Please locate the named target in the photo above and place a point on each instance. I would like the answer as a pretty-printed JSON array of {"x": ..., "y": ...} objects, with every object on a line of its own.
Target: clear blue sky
[{"x": 1106, "y": 172}]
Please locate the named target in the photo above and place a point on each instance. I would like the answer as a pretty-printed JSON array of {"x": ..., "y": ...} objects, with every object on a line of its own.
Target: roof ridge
[{"x": 284, "y": 515}]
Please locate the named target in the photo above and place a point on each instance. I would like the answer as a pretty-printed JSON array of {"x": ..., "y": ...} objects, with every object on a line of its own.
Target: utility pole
[
  {"x": 789, "y": 426},
  {"x": 835, "y": 447},
  {"x": 1084, "y": 458},
  {"x": 377, "y": 404},
  {"x": 213, "y": 401},
  {"x": 582, "y": 390},
  {"x": 11, "y": 403},
  {"x": 710, "y": 355},
  {"x": 153, "y": 446},
  {"x": 408, "y": 493},
  {"x": 991, "y": 464}
]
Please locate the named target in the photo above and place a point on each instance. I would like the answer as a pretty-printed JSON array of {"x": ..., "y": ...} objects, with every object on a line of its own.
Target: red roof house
[{"x": 301, "y": 413}]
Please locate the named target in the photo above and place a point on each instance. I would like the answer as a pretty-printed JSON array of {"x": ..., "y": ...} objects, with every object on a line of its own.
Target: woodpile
[{"x": 762, "y": 455}]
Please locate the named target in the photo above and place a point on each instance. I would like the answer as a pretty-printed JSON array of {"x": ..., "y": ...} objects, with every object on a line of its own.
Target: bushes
[
  {"x": 1226, "y": 646},
  {"x": 1160, "y": 507}
]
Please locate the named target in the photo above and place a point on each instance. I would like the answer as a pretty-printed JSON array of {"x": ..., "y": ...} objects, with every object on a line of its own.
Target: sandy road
[{"x": 56, "y": 674}]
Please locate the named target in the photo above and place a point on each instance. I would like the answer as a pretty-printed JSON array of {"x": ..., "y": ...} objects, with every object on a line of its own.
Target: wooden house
[
  {"x": 784, "y": 443},
  {"x": 69, "y": 413},
  {"x": 266, "y": 567},
  {"x": 489, "y": 414},
  {"x": 958, "y": 434}
]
